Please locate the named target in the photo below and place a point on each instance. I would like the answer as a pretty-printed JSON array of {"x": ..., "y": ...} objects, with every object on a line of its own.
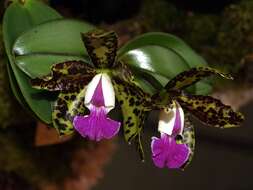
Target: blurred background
[{"x": 33, "y": 157}]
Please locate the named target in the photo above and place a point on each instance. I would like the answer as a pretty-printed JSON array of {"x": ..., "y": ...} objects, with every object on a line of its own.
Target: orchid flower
[
  {"x": 175, "y": 147},
  {"x": 167, "y": 150},
  {"x": 96, "y": 125},
  {"x": 87, "y": 92},
  {"x": 93, "y": 87}
]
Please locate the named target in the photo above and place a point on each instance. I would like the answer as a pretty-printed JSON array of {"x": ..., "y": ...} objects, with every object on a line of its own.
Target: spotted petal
[
  {"x": 101, "y": 46},
  {"x": 65, "y": 108},
  {"x": 210, "y": 110},
  {"x": 190, "y": 77},
  {"x": 134, "y": 108},
  {"x": 66, "y": 76}
]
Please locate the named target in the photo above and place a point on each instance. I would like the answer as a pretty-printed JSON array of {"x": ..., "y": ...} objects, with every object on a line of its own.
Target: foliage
[{"x": 9, "y": 106}]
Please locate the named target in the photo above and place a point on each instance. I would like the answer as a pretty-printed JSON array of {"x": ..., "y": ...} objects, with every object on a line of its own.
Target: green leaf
[
  {"x": 168, "y": 41},
  {"x": 53, "y": 42},
  {"x": 14, "y": 87},
  {"x": 163, "y": 56},
  {"x": 155, "y": 59},
  {"x": 39, "y": 12},
  {"x": 19, "y": 18},
  {"x": 62, "y": 37}
]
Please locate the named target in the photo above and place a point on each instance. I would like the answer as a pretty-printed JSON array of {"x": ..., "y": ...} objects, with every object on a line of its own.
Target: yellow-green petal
[
  {"x": 66, "y": 76},
  {"x": 210, "y": 110},
  {"x": 101, "y": 46},
  {"x": 65, "y": 108}
]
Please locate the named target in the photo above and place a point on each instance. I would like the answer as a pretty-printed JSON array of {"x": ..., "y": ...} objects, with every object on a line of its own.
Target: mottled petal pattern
[
  {"x": 101, "y": 47},
  {"x": 190, "y": 77},
  {"x": 134, "y": 105},
  {"x": 96, "y": 126},
  {"x": 68, "y": 76},
  {"x": 132, "y": 100},
  {"x": 210, "y": 110},
  {"x": 166, "y": 152},
  {"x": 188, "y": 138},
  {"x": 65, "y": 108}
]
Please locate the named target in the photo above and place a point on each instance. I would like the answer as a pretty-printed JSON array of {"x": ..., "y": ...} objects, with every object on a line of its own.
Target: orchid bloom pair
[{"x": 96, "y": 85}]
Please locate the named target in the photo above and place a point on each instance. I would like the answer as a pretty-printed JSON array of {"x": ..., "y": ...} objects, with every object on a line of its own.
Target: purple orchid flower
[
  {"x": 99, "y": 99},
  {"x": 166, "y": 150}
]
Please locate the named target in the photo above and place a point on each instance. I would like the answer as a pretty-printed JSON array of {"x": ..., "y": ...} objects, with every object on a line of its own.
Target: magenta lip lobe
[
  {"x": 96, "y": 126},
  {"x": 167, "y": 153}
]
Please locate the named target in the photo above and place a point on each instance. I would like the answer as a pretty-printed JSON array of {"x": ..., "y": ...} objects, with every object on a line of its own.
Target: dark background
[
  {"x": 223, "y": 158},
  {"x": 110, "y": 11}
]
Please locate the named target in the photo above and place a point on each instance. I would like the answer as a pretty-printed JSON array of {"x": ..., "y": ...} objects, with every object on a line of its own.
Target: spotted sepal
[
  {"x": 101, "y": 46},
  {"x": 192, "y": 76},
  {"x": 188, "y": 138},
  {"x": 210, "y": 110},
  {"x": 65, "y": 108},
  {"x": 133, "y": 102},
  {"x": 67, "y": 76}
]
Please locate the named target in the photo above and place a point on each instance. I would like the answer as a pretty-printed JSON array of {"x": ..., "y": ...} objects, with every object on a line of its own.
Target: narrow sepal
[
  {"x": 101, "y": 46},
  {"x": 65, "y": 108},
  {"x": 67, "y": 76},
  {"x": 210, "y": 110},
  {"x": 134, "y": 104},
  {"x": 192, "y": 76}
]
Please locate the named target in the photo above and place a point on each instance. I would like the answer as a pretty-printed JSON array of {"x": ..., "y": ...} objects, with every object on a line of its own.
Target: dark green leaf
[
  {"x": 162, "y": 55},
  {"x": 53, "y": 42},
  {"x": 168, "y": 41},
  {"x": 19, "y": 18},
  {"x": 61, "y": 37},
  {"x": 14, "y": 87}
]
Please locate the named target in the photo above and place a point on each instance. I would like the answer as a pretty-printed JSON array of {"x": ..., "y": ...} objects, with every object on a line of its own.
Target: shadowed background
[{"x": 221, "y": 31}]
